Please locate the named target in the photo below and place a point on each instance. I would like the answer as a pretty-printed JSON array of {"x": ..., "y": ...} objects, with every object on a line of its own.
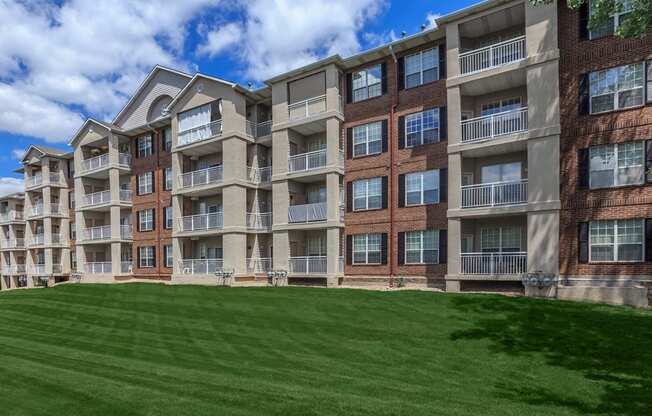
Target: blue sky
[{"x": 61, "y": 62}]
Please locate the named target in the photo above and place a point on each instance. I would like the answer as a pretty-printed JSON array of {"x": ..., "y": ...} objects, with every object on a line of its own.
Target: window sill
[
  {"x": 366, "y": 210},
  {"x": 421, "y": 205},
  {"x": 366, "y": 156},
  {"x": 420, "y": 264},
  {"x": 603, "y": 263},
  {"x": 619, "y": 110},
  {"x": 421, "y": 85},
  {"x": 366, "y": 264},
  {"x": 366, "y": 99},
  {"x": 620, "y": 187},
  {"x": 421, "y": 145}
]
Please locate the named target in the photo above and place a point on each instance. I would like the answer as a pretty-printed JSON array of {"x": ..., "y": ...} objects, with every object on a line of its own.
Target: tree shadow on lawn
[{"x": 608, "y": 346}]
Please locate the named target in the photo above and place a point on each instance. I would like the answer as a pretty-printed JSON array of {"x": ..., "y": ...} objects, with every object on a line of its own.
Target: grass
[{"x": 143, "y": 349}]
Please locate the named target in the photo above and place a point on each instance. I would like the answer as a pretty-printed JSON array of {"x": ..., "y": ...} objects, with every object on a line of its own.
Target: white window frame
[
  {"x": 616, "y": 164},
  {"x": 146, "y": 257},
  {"x": 501, "y": 231},
  {"x": 145, "y": 183},
  {"x": 421, "y": 250},
  {"x": 169, "y": 257},
  {"x": 501, "y": 105},
  {"x": 366, "y": 248},
  {"x": 421, "y": 116},
  {"x": 167, "y": 139},
  {"x": 594, "y": 77},
  {"x": 421, "y": 189},
  {"x": 167, "y": 213},
  {"x": 364, "y": 183},
  {"x": 617, "y": 243},
  {"x": 145, "y": 145},
  {"x": 362, "y": 132},
  {"x": 421, "y": 70},
  {"x": 367, "y": 87},
  {"x": 146, "y": 220},
  {"x": 616, "y": 22},
  {"x": 168, "y": 179}
]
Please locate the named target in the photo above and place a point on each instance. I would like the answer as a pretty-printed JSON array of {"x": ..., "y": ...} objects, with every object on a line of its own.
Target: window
[
  {"x": 145, "y": 147},
  {"x": 422, "y": 188},
  {"x": 167, "y": 139},
  {"x": 368, "y": 139},
  {"x": 168, "y": 178},
  {"x": 367, "y": 83},
  {"x": 617, "y": 165},
  {"x": 367, "y": 194},
  {"x": 145, "y": 183},
  {"x": 621, "y": 240},
  {"x": 501, "y": 106},
  {"x": 146, "y": 220},
  {"x": 167, "y": 214},
  {"x": 167, "y": 251},
  {"x": 500, "y": 239},
  {"x": 610, "y": 26},
  {"x": 422, "y": 247},
  {"x": 616, "y": 88},
  {"x": 422, "y": 67},
  {"x": 422, "y": 128},
  {"x": 505, "y": 172},
  {"x": 649, "y": 81},
  {"x": 366, "y": 248},
  {"x": 146, "y": 256}
]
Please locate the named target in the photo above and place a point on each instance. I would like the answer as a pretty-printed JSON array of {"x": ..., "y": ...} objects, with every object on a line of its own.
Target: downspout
[{"x": 392, "y": 168}]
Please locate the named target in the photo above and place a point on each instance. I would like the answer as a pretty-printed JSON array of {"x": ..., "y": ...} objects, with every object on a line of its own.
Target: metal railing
[
  {"x": 103, "y": 267},
  {"x": 200, "y": 177},
  {"x": 9, "y": 244},
  {"x": 200, "y": 133},
  {"x": 261, "y": 129},
  {"x": 38, "y": 269},
  {"x": 494, "y": 194},
  {"x": 494, "y": 263},
  {"x": 202, "y": 222},
  {"x": 35, "y": 180},
  {"x": 57, "y": 268},
  {"x": 36, "y": 210},
  {"x": 56, "y": 238},
  {"x": 126, "y": 232},
  {"x": 307, "y": 108},
  {"x": 15, "y": 269},
  {"x": 492, "y": 56},
  {"x": 126, "y": 267},
  {"x": 201, "y": 266},
  {"x": 96, "y": 233},
  {"x": 96, "y": 162},
  {"x": 55, "y": 209},
  {"x": 307, "y": 265},
  {"x": 97, "y": 198},
  {"x": 125, "y": 195},
  {"x": 259, "y": 175},
  {"x": 495, "y": 125},
  {"x": 11, "y": 216},
  {"x": 37, "y": 240},
  {"x": 259, "y": 220},
  {"x": 259, "y": 265},
  {"x": 55, "y": 178},
  {"x": 307, "y": 161},
  {"x": 307, "y": 212},
  {"x": 124, "y": 159}
]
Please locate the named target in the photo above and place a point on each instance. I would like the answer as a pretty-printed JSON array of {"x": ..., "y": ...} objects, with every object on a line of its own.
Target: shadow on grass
[{"x": 606, "y": 345}]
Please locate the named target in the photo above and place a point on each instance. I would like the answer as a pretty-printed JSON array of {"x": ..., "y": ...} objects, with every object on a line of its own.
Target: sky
[{"x": 64, "y": 61}]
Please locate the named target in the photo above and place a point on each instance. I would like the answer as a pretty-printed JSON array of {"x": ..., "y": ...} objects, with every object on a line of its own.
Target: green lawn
[{"x": 144, "y": 349}]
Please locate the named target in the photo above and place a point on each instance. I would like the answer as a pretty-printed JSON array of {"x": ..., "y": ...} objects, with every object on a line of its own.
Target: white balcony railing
[
  {"x": 492, "y": 56},
  {"x": 494, "y": 194},
  {"x": 212, "y": 175},
  {"x": 495, "y": 125},
  {"x": 259, "y": 175},
  {"x": 259, "y": 265},
  {"x": 36, "y": 210},
  {"x": 96, "y": 233},
  {"x": 259, "y": 220},
  {"x": 35, "y": 180},
  {"x": 9, "y": 244},
  {"x": 494, "y": 263},
  {"x": 307, "y": 108},
  {"x": 202, "y": 222},
  {"x": 201, "y": 266},
  {"x": 103, "y": 267},
  {"x": 307, "y": 212},
  {"x": 15, "y": 269},
  {"x": 126, "y": 232},
  {"x": 200, "y": 133},
  {"x": 38, "y": 269},
  {"x": 11, "y": 216},
  {"x": 307, "y": 161},
  {"x": 257, "y": 130},
  {"x": 37, "y": 240},
  {"x": 57, "y": 268},
  {"x": 55, "y": 209},
  {"x": 94, "y": 163},
  {"x": 55, "y": 178},
  {"x": 124, "y": 159},
  {"x": 56, "y": 239},
  {"x": 125, "y": 195},
  {"x": 307, "y": 265},
  {"x": 126, "y": 267}
]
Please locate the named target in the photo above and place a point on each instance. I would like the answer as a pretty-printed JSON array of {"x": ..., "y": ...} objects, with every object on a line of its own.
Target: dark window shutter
[
  {"x": 584, "y": 94},
  {"x": 154, "y": 257},
  {"x": 443, "y": 185},
  {"x": 648, "y": 239},
  {"x": 583, "y": 242},
  {"x": 401, "y": 73},
  {"x": 383, "y": 78},
  {"x": 137, "y": 184},
  {"x": 138, "y": 215},
  {"x": 349, "y": 87},
  {"x": 443, "y": 124},
  {"x": 153, "y": 174},
  {"x": 583, "y": 168},
  {"x": 401, "y": 132},
  {"x": 383, "y": 248},
  {"x": 401, "y": 248},
  {"x": 384, "y": 192},
  {"x": 385, "y": 137},
  {"x": 153, "y": 219},
  {"x": 442, "y": 61},
  {"x": 443, "y": 246},
  {"x": 349, "y": 196},
  {"x": 349, "y": 249},
  {"x": 152, "y": 142},
  {"x": 584, "y": 21},
  {"x": 349, "y": 143},
  {"x": 401, "y": 191},
  {"x": 648, "y": 160}
]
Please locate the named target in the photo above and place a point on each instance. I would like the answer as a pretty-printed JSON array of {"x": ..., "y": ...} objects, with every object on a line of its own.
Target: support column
[
  {"x": 333, "y": 197},
  {"x": 454, "y": 246},
  {"x": 333, "y": 142},
  {"x": 281, "y": 248},
  {"x": 281, "y": 202},
  {"x": 332, "y": 256},
  {"x": 235, "y": 252},
  {"x": 116, "y": 257}
]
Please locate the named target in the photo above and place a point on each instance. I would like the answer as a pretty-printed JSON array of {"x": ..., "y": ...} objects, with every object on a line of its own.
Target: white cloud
[
  {"x": 377, "y": 39},
  {"x": 11, "y": 185},
  {"x": 221, "y": 38},
  {"x": 431, "y": 19},
  {"x": 18, "y": 154}
]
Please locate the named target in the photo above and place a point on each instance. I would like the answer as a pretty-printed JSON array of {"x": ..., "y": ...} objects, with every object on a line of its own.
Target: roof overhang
[
  {"x": 92, "y": 122},
  {"x": 471, "y": 10}
]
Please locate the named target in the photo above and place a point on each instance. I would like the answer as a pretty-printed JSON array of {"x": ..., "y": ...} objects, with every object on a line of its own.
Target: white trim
[{"x": 366, "y": 249}]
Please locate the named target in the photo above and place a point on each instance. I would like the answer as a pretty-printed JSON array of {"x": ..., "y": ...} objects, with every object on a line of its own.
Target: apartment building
[{"x": 12, "y": 242}]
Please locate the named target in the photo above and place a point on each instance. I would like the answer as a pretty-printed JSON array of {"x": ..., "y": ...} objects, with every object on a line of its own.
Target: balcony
[
  {"x": 18, "y": 243},
  {"x": 34, "y": 180},
  {"x": 126, "y": 232},
  {"x": 258, "y": 130},
  {"x": 57, "y": 269},
  {"x": 494, "y": 125},
  {"x": 307, "y": 213},
  {"x": 15, "y": 269},
  {"x": 96, "y": 233},
  {"x": 98, "y": 267},
  {"x": 37, "y": 269},
  {"x": 125, "y": 195},
  {"x": 96, "y": 198},
  {"x": 259, "y": 175},
  {"x": 212, "y": 175},
  {"x": 56, "y": 239},
  {"x": 494, "y": 263},
  {"x": 492, "y": 56},
  {"x": 37, "y": 210},
  {"x": 307, "y": 108},
  {"x": 55, "y": 209},
  {"x": 200, "y": 133},
  {"x": 259, "y": 221},
  {"x": 202, "y": 222},
  {"x": 37, "y": 240},
  {"x": 201, "y": 266},
  {"x": 102, "y": 161},
  {"x": 11, "y": 216},
  {"x": 259, "y": 265},
  {"x": 56, "y": 178},
  {"x": 494, "y": 194},
  {"x": 126, "y": 267},
  {"x": 307, "y": 265},
  {"x": 307, "y": 161}
]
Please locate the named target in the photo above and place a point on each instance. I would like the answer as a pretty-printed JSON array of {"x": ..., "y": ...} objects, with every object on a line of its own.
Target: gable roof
[
  {"x": 198, "y": 75},
  {"x": 103, "y": 124},
  {"x": 46, "y": 151}
]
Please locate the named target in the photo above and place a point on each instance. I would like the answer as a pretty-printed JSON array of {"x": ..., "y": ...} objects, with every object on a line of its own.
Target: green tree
[{"x": 635, "y": 24}]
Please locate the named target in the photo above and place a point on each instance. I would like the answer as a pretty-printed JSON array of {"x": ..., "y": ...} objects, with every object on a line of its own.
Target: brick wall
[{"x": 581, "y": 131}]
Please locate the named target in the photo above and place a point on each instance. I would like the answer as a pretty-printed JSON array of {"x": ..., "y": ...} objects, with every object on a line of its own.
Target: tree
[{"x": 635, "y": 24}]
